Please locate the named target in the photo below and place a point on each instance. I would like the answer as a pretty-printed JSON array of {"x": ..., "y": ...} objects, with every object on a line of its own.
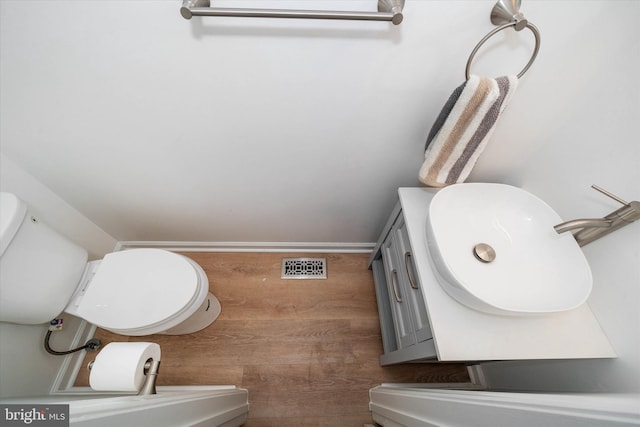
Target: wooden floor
[{"x": 307, "y": 350}]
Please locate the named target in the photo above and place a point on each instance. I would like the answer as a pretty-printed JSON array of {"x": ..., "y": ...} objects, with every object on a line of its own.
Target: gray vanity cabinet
[{"x": 406, "y": 334}]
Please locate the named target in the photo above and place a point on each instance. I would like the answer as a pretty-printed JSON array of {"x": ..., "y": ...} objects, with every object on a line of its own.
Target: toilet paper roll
[{"x": 120, "y": 366}]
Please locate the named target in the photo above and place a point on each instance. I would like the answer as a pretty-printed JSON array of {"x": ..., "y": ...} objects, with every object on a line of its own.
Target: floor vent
[{"x": 304, "y": 268}]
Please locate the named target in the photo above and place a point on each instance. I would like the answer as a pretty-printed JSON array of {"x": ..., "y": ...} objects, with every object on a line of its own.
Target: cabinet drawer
[
  {"x": 387, "y": 329},
  {"x": 411, "y": 283},
  {"x": 403, "y": 325}
]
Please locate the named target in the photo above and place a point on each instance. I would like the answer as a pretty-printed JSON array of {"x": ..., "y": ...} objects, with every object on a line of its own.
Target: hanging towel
[{"x": 463, "y": 127}]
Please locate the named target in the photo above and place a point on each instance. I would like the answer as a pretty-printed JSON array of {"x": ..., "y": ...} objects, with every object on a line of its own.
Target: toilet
[{"x": 132, "y": 292}]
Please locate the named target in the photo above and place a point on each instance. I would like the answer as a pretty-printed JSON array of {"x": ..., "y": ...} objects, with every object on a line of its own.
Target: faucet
[{"x": 591, "y": 229}]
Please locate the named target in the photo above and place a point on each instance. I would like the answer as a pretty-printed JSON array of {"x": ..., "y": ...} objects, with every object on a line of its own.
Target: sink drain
[
  {"x": 304, "y": 268},
  {"x": 484, "y": 252}
]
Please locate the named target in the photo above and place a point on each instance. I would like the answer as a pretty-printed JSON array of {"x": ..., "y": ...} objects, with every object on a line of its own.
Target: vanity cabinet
[
  {"x": 420, "y": 322},
  {"x": 406, "y": 334}
]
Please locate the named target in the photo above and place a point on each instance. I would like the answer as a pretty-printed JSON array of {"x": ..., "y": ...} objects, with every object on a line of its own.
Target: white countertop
[{"x": 463, "y": 334}]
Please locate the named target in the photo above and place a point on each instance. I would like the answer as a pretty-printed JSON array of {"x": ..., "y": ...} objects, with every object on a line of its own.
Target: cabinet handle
[
  {"x": 394, "y": 286},
  {"x": 407, "y": 261}
]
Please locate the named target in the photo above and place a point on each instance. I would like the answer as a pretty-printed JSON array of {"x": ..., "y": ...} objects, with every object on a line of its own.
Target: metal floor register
[{"x": 304, "y": 268}]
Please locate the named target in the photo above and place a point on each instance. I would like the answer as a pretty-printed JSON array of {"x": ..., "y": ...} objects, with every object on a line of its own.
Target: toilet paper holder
[{"x": 151, "y": 369}]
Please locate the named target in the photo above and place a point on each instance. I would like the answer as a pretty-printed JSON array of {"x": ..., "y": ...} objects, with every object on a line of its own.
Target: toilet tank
[{"x": 39, "y": 268}]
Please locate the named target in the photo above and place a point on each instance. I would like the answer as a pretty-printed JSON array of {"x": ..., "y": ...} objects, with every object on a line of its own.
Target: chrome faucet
[{"x": 593, "y": 228}]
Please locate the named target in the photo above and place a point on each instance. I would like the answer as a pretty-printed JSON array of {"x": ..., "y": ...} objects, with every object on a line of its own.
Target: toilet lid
[{"x": 138, "y": 288}]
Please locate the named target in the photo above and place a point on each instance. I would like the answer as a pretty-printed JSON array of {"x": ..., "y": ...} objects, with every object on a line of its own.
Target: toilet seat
[{"x": 140, "y": 291}]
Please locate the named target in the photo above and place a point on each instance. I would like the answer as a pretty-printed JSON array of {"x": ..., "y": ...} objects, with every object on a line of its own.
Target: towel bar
[
  {"x": 388, "y": 10},
  {"x": 507, "y": 13}
]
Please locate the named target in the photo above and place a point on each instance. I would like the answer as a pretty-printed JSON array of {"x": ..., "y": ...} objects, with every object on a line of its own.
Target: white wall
[
  {"x": 157, "y": 128},
  {"x": 53, "y": 210},
  {"x": 585, "y": 132},
  {"x": 26, "y": 369},
  {"x": 226, "y": 129}
]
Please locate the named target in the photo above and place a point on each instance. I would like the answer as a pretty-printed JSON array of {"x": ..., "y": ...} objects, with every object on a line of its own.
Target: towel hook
[{"x": 506, "y": 13}]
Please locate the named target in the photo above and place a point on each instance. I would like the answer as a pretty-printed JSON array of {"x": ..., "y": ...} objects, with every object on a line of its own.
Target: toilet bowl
[
  {"x": 134, "y": 292},
  {"x": 145, "y": 291}
]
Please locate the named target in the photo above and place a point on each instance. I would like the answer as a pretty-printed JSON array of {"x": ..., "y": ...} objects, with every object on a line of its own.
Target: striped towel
[{"x": 463, "y": 129}]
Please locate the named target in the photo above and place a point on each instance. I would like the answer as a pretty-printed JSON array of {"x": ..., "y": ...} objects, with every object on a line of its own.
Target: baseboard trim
[
  {"x": 429, "y": 407},
  {"x": 307, "y": 247},
  {"x": 72, "y": 363},
  {"x": 476, "y": 375}
]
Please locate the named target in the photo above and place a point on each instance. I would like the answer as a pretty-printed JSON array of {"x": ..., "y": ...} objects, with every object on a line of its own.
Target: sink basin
[{"x": 494, "y": 249}]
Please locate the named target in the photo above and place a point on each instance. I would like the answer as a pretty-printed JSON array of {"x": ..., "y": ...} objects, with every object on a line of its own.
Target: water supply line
[
  {"x": 56, "y": 325},
  {"x": 92, "y": 345}
]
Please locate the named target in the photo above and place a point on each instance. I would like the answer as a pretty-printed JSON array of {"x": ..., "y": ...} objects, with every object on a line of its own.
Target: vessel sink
[{"x": 494, "y": 249}]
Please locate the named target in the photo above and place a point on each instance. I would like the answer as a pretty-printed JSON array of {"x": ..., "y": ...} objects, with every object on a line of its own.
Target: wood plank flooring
[{"x": 307, "y": 350}]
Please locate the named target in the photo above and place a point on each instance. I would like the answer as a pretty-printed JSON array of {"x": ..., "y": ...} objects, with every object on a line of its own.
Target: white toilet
[{"x": 134, "y": 292}]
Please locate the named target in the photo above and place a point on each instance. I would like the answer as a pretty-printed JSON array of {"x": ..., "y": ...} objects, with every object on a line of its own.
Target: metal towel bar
[{"x": 388, "y": 10}]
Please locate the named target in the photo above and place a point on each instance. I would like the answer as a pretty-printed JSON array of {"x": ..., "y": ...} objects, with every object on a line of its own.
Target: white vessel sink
[{"x": 534, "y": 270}]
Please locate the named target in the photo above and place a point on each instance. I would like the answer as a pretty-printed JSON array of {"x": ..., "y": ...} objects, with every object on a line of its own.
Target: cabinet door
[
  {"x": 411, "y": 289},
  {"x": 401, "y": 313},
  {"x": 387, "y": 328}
]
